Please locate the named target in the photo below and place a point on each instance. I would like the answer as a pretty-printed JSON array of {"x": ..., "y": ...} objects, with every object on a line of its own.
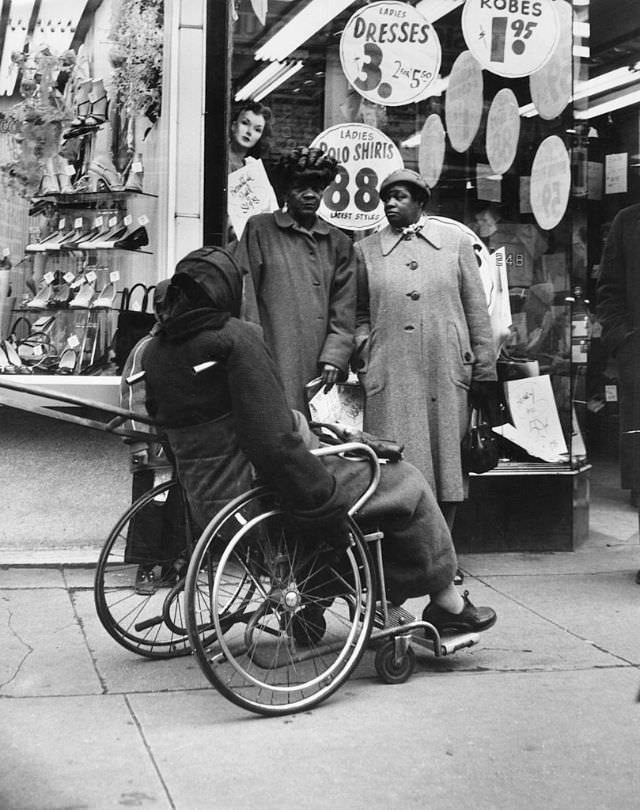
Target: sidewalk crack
[
  {"x": 145, "y": 742},
  {"x": 29, "y": 648}
]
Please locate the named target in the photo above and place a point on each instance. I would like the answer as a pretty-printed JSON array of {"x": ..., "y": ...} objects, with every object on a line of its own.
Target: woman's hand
[{"x": 329, "y": 376}]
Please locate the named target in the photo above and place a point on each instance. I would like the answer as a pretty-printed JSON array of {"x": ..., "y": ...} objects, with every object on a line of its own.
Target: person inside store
[
  {"x": 618, "y": 310},
  {"x": 251, "y": 131},
  {"x": 233, "y": 418},
  {"x": 424, "y": 344},
  {"x": 300, "y": 282}
]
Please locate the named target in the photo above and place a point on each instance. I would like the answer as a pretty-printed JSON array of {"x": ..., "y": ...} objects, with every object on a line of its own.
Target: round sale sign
[
  {"x": 550, "y": 182},
  {"x": 390, "y": 53},
  {"x": 432, "y": 150},
  {"x": 365, "y": 157},
  {"x": 503, "y": 130},
  {"x": 551, "y": 85},
  {"x": 511, "y": 38}
]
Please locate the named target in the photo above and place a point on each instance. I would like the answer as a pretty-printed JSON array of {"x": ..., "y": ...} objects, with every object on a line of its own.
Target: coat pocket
[{"x": 461, "y": 355}]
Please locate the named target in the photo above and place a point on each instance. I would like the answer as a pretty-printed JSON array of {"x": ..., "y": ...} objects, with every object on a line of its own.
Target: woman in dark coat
[{"x": 213, "y": 387}]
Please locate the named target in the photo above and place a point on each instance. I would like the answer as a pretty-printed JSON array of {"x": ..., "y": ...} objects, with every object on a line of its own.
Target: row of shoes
[
  {"x": 59, "y": 296},
  {"x": 100, "y": 175},
  {"x": 35, "y": 355},
  {"x": 119, "y": 236}
]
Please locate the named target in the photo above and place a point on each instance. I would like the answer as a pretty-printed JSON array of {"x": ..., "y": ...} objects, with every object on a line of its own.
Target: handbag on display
[
  {"x": 479, "y": 447},
  {"x": 133, "y": 323}
]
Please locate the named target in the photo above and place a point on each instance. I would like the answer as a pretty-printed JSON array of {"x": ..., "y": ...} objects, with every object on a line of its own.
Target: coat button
[
  {"x": 414, "y": 295},
  {"x": 412, "y": 265},
  {"x": 468, "y": 357}
]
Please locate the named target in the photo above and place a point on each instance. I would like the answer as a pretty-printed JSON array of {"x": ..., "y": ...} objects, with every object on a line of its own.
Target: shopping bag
[{"x": 132, "y": 325}]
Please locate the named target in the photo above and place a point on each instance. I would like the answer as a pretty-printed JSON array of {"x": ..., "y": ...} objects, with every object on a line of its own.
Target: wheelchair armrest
[
  {"x": 368, "y": 454},
  {"x": 335, "y": 433}
]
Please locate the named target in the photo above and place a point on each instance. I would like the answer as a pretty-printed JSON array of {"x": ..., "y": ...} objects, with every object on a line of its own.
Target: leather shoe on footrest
[{"x": 472, "y": 619}]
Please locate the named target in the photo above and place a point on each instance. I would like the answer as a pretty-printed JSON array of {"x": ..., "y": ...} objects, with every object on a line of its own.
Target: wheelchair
[{"x": 278, "y": 623}]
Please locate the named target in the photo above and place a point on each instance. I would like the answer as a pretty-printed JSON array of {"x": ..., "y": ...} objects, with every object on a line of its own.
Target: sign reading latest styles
[
  {"x": 390, "y": 53},
  {"x": 366, "y": 156}
]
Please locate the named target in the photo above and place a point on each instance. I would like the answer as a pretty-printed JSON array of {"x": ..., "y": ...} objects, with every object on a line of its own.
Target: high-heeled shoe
[
  {"x": 84, "y": 297},
  {"x": 109, "y": 239},
  {"x": 13, "y": 358},
  {"x": 99, "y": 104},
  {"x": 136, "y": 239},
  {"x": 82, "y": 103},
  {"x": 103, "y": 169},
  {"x": 64, "y": 173},
  {"x": 61, "y": 295},
  {"x": 106, "y": 297},
  {"x": 41, "y": 298},
  {"x": 49, "y": 183},
  {"x": 67, "y": 361},
  {"x": 135, "y": 176}
]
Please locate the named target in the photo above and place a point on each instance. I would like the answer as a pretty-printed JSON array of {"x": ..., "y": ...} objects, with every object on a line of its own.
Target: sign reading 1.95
[
  {"x": 365, "y": 157},
  {"x": 511, "y": 38},
  {"x": 390, "y": 53}
]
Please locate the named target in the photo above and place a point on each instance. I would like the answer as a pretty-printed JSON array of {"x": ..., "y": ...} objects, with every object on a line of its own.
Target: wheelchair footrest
[{"x": 396, "y": 616}]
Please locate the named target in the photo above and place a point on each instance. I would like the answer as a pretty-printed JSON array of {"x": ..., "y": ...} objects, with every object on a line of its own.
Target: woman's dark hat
[
  {"x": 407, "y": 176},
  {"x": 207, "y": 265}
]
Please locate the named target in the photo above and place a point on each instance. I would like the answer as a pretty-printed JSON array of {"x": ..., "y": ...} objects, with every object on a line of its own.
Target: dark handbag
[
  {"x": 132, "y": 326},
  {"x": 479, "y": 447}
]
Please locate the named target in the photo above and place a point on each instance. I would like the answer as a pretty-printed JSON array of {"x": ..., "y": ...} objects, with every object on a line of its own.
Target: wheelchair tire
[
  {"x": 147, "y": 624},
  {"x": 390, "y": 670},
  {"x": 291, "y": 621}
]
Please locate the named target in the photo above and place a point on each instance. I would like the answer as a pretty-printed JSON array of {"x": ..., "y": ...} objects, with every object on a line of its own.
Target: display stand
[{"x": 525, "y": 506}]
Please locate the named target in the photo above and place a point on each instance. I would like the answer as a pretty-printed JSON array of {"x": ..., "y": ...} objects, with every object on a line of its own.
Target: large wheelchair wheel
[
  {"x": 150, "y": 623},
  {"x": 291, "y": 618}
]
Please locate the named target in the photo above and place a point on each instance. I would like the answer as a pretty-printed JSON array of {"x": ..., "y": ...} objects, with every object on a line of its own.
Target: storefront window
[
  {"x": 477, "y": 97},
  {"x": 82, "y": 175}
]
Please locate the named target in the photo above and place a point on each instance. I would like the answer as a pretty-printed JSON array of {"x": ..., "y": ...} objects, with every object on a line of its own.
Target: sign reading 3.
[
  {"x": 390, "y": 53},
  {"x": 511, "y": 38},
  {"x": 365, "y": 156}
]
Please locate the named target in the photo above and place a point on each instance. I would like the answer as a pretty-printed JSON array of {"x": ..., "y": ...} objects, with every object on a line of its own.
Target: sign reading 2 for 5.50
[
  {"x": 365, "y": 156},
  {"x": 390, "y": 53}
]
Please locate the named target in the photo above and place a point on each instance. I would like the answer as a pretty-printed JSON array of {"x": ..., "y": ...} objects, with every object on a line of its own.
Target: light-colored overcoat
[{"x": 425, "y": 333}]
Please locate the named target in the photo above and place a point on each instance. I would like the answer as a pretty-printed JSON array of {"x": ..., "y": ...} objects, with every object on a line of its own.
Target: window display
[{"x": 80, "y": 147}]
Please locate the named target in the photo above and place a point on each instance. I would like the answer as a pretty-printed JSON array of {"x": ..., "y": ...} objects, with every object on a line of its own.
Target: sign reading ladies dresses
[
  {"x": 365, "y": 156},
  {"x": 390, "y": 53},
  {"x": 511, "y": 38},
  {"x": 250, "y": 192}
]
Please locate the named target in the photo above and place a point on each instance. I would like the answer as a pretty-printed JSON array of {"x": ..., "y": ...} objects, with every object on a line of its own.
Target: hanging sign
[
  {"x": 503, "y": 131},
  {"x": 390, "y": 53},
  {"x": 249, "y": 192},
  {"x": 550, "y": 182},
  {"x": 431, "y": 150},
  {"x": 365, "y": 157},
  {"x": 463, "y": 101},
  {"x": 511, "y": 38},
  {"x": 551, "y": 85}
]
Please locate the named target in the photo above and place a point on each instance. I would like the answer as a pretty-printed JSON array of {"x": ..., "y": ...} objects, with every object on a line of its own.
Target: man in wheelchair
[{"x": 212, "y": 386}]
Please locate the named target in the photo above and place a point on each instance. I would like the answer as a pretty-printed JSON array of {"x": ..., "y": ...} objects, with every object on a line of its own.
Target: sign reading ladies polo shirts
[
  {"x": 365, "y": 156},
  {"x": 550, "y": 182},
  {"x": 511, "y": 38},
  {"x": 390, "y": 53}
]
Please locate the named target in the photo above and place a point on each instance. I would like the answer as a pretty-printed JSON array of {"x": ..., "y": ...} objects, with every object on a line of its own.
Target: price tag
[
  {"x": 550, "y": 182},
  {"x": 97, "y": 222},
  {"x": 143, "y": 219},
  {"x": 48, "y": 277},
  {"x": 77, "y": 222},
  {"x": 114, "y": 276},
  {"x": 136, "y": 167},
  {"x": 464, "y": 101},
  {"x": 37, "y": 350},
  {"x": 72, "y": 341},
  {"x": 551, "y": 85},
  {"x": 69, "y": 170},
  {"x": 127, "y": 220},
  {"x": 6, "y": 251},
  {"x": 503, "y": 131},
  {"x": 511, "y": 38},
  {"x": 432, "y": 149},
  {"x": 77, "y": 282},
  {"x": 366, "y": 156},
  {"x": 61, "y": 223},
  {"x": 91, "y": 276},
  {"x": 112, "y": 222},
  {"x": 69, "y": 277},
  {"x": 390, "y": 53}
]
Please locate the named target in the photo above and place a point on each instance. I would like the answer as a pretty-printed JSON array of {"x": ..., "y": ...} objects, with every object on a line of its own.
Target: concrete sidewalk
[{"x": 541, "y": 714}]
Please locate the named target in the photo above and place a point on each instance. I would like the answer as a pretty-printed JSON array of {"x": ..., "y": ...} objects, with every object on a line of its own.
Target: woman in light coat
[{"x": 423, "y": 337}]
